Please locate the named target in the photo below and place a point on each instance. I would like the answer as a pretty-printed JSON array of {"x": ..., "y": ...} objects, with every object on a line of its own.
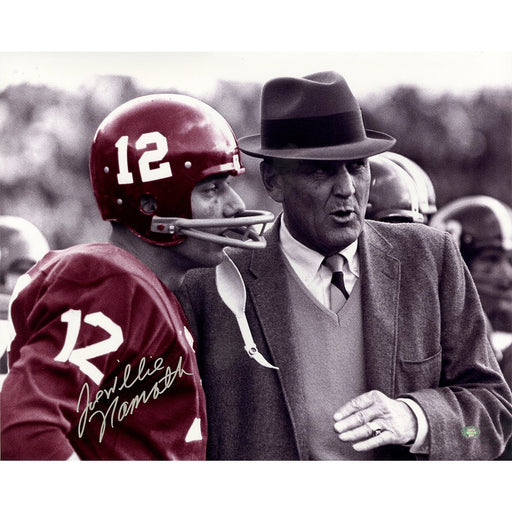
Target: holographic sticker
[{"x": 470, "y": 432}]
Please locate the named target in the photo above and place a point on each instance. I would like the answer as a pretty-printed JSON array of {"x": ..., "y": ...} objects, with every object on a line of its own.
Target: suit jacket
[{"x": 424, "y": 338}]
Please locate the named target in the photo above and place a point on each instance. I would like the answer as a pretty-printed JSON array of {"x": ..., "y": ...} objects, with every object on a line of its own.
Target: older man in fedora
[{"x": 373, "y": 332}]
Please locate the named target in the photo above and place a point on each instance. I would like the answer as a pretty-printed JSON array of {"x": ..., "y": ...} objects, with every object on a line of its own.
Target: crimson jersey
[{"x": 102, "y": 363}]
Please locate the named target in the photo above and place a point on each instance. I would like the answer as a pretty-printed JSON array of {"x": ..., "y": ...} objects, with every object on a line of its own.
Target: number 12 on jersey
[{"x": 81, "y": 356}]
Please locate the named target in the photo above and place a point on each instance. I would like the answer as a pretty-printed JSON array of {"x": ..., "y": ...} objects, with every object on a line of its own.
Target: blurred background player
[
  {"x": 102, "y": 365},
  {"x": 394, "y": 195},
  {"x": 21, "y": 246},
  {"x": 482, "y": 227}
]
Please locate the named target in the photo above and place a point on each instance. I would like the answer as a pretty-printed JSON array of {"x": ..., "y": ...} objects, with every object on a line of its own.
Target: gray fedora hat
[{"x": 313, "y": 118}]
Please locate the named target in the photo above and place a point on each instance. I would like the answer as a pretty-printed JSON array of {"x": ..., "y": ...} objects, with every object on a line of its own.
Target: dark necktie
[{"x": 337, "y": 290}]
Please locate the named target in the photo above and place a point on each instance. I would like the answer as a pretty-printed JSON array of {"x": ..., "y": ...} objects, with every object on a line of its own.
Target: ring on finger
[{"x": 375, "y": 431}]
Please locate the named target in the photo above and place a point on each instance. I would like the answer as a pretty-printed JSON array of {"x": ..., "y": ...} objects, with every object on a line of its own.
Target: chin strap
[
  {"x": 231, "y": 288},
  {"x": 239, "y": 231}
]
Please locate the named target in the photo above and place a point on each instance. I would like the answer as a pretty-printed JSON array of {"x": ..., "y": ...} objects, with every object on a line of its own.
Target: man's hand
[{"x": 360, "y": 420}]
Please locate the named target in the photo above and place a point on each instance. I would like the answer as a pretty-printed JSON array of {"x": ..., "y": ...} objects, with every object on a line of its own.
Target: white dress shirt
[{"x": 308, "y": 266}]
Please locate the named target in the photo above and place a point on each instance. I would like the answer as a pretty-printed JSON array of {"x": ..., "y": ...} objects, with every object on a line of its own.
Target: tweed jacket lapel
[
  {"x": 267, "y": 291},
  {"x": 380, "y": 285}
]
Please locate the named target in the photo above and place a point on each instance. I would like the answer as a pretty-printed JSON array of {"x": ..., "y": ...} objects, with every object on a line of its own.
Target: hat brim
[{"x": 375, "y": 143}]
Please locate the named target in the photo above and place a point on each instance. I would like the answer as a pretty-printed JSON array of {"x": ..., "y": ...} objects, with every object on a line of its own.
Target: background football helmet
[
  {"x": 148, "y": 155},
  {"x": 424, "y": 185},
  {"x": 393, "y": 193},
  {"x": 476, "y": 222}
]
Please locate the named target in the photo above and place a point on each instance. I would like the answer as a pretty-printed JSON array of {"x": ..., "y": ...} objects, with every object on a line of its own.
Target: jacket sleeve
[{"x": 470, "y": 412}]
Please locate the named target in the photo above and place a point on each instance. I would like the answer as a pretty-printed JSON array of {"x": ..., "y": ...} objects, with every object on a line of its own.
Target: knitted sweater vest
[{"x": 329, "y": 350}]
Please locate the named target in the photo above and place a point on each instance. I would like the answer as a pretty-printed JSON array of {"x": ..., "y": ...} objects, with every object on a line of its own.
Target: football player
[
  {"x": 102, "y": 362},
  {"x": 21, "y": 246},
  {"x": 482, "y": 227}
]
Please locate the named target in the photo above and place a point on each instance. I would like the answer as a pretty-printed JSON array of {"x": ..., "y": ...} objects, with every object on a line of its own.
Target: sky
[{"x": 440, "y": 45}]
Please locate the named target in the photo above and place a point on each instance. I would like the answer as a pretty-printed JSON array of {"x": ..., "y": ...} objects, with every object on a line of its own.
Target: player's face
[
  {"x": 324, "y": 203},
  {"x": 213, "y": 198},
  {"x": 492, "y": 272}
]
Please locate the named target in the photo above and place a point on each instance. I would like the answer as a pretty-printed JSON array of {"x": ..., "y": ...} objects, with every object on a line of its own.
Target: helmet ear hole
[{"x": 147, "y": 204}]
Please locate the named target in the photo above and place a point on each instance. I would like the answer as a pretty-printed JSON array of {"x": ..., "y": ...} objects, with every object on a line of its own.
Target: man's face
[
  {"x": 211, "y": 198},
  {"x": 492, "y": 272},
  {"x": 324, "y": 202}
]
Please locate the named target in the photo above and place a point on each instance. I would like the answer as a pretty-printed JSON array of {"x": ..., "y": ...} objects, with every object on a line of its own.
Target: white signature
[{"x": 117, "y": 411}]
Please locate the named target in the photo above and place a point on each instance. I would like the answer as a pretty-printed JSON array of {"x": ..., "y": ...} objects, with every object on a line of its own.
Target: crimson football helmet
[
  {"x": 424, "y": 185},
  {"x": 149, "y": 154},
  {"x": 393, "y": 193}
]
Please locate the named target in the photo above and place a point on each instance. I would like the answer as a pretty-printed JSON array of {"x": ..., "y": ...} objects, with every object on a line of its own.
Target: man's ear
[{"x": 271, "y": 180}]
